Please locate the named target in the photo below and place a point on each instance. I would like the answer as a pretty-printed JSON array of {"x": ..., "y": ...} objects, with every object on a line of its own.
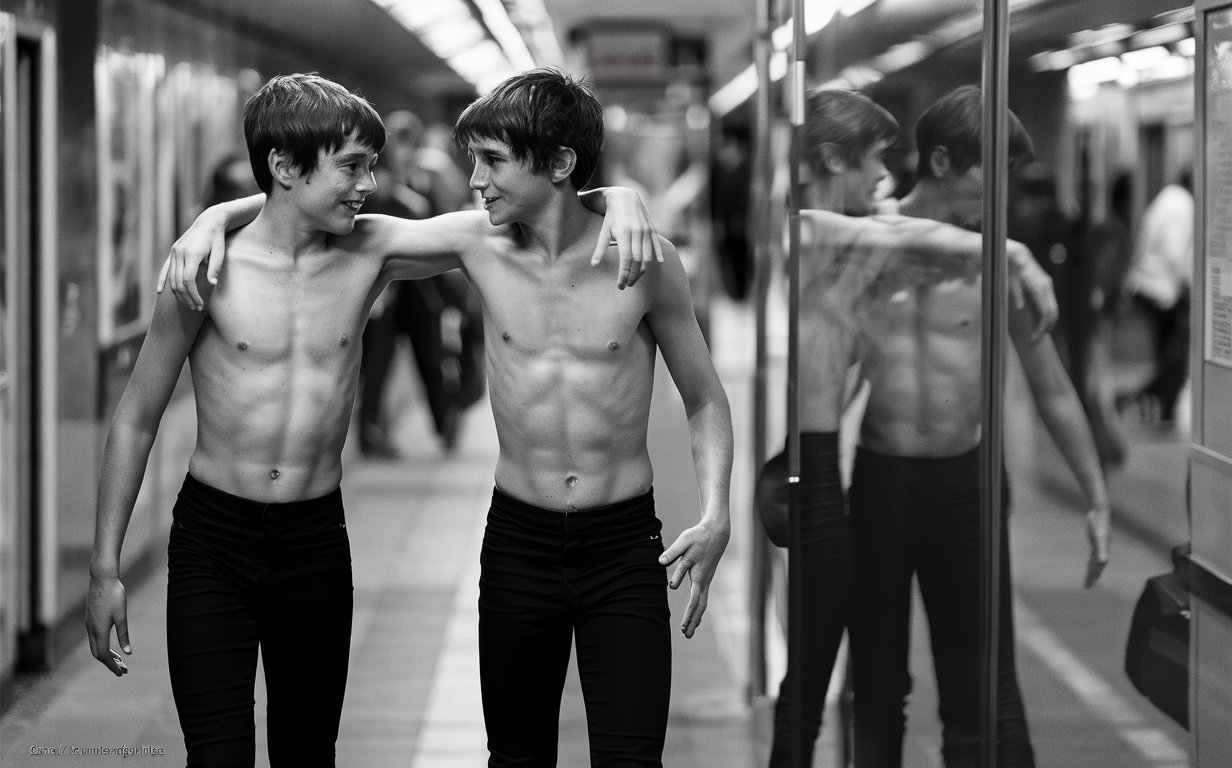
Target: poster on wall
[
  {"x": 124, "y": 88},
  {"x": 1218, "y": 188}
]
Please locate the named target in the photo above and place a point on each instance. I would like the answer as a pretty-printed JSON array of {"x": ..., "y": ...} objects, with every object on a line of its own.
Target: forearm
[
  {"x": 237, "y": 213},
  {"x": 595, "y": 199},
  {"x": 710, "y": 430},
  {"x": 1067, "y": 424},
  {"x": 123, "y": 466}
]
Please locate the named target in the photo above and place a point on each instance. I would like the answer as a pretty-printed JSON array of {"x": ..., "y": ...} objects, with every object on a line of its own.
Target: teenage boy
[
  {"x": 259, "y": 544},
  {"x": 915, "y": 488},
  {"x": 573, "y": 549}
]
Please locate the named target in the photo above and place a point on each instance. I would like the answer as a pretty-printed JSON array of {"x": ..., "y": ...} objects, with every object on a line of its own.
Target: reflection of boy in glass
[
  {"x": 846, "y": 262},
  {"x": 915, "y": 489}
]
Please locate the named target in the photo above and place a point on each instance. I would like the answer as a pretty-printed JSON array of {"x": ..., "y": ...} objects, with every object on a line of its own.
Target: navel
[
  {"x": 572, "y": 481},
  {"x": 506, "y": 336},
  {"x": 275, "y": 474}
]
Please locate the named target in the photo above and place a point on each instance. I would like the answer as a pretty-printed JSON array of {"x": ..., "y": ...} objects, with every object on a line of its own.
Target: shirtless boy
[
  {"x": 259, "y": 543},
  {"x": 573, "y": 549},
  {"x": 915, "y": 490}
]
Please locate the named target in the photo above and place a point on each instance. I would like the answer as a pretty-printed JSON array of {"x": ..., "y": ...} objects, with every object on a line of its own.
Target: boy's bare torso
[
  {"x": 570, "y": 362},
  {"x": 922, "y": 357},
  {"x": 274, "y": 367}
]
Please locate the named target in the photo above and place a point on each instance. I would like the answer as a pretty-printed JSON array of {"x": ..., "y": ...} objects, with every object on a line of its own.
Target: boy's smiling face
[
  {"x": 332, "y": 194},
  {"x": 508, "y": 185}
]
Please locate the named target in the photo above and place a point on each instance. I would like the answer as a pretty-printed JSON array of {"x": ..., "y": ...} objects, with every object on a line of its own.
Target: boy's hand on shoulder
[
  {"x": 107, "y": 607},
  {"x": 696, "y": 553},
  {"x": 627, "y": 226},
  {"x": 206, "y": 238}
]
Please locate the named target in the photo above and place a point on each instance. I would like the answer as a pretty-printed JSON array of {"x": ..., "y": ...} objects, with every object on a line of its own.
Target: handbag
[{"x": 1157, "y": 654}]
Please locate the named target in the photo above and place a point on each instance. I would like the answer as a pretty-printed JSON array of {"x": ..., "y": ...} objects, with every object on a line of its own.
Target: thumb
[
  {"x": 162, "y": 276},
  {"x": 217, "y": 250},
  {"x": 122, "y": 633},
  {"x": 605, "y": 239}
]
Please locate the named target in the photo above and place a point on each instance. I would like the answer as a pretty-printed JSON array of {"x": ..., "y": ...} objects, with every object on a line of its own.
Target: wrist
[{"x": 104, "y": 570}]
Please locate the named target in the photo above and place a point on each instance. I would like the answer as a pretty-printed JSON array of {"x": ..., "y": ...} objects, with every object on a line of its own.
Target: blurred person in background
[
  {"x": 391, "y": 198},
  {"x": 440, "y": 315},
  {"x": 1110, "y": 247},
  {"x": 1159, "y": 282}
]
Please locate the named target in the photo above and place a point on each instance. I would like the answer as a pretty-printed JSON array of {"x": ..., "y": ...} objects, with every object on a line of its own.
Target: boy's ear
[
  {"x": 281, "y": 167},
  {"x": 939, "y": 162},
  {"x": 832, "y": 158},
  {"x": 564, "y": 160}
]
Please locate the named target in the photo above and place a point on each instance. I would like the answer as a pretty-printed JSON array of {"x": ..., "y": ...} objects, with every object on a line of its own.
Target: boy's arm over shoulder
[
  {"x": 697, "y": 550},
  {"x": 1063, "y": 416},
  {"x": 173, "y": 332},
  {"x": 416, "y": 248}
]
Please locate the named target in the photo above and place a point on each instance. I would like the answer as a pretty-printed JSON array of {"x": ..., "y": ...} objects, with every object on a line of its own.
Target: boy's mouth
[{"x": 354, "y": 205}]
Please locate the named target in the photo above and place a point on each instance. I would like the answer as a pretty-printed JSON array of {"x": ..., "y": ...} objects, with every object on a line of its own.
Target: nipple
[
  {"x": 275, "y": 474},
  {"x": 242, "y": 345},
  {"x": 613, "y": 346},
  {"x": 505, "y": 335},
  {"x": 343, "y": 340}
]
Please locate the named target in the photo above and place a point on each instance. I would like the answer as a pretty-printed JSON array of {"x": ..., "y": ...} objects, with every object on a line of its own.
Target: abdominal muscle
[
  {"x": 271, "y": 433},
  {"x": 573, "y": 434}
]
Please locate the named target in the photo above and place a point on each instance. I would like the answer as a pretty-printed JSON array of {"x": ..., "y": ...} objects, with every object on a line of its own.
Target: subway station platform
[{"x": 413, "y": 693}]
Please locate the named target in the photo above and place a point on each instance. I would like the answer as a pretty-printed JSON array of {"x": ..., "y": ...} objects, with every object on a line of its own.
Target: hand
[
  {"x": 1098, "y": 527},
  {"x": 107, "y": 606},
  {"x": 627, "y": 225},
  {"x": 206, "y": 237},
  {"x": 1029, "y": 282},
  {"x": 696, "y": 553}
]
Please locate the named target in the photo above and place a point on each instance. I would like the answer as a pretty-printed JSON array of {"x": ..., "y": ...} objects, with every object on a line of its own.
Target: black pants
[
  {"x": 243, "y": 574},
  {"x": 592, "y": 576},
  {"x": 920, "y": 516},
  {"x": 1171, "y": 331},
  {"x": 826, "y": 569}
]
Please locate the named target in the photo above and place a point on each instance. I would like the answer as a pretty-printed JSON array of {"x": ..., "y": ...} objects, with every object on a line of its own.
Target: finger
[
  {"x": 624, "y": 244},
  {"x": 697, "y": 604},
  {"x": 636, "y": 272},
  {"x": 122, "y": 633},
  {"x": 218, "y": 249},
  {"x": 622, "y": 279},
  {"x": 190, "y": 282},
  {"x": 173, "y": 277},
  {"x": 681, "y": 570},
  {"x": 658, "y": 246},
  {"x": 1016, "y": 294},
  {"x": 162, "y": 276},
  {"x": 687, "y": 622},
  {"x": 605, "y": 240}
]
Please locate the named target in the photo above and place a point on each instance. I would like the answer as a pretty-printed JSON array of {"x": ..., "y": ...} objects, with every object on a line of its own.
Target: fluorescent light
[
  {"x": 852, "y": 7},
  {"x": 497, "y": 20}
]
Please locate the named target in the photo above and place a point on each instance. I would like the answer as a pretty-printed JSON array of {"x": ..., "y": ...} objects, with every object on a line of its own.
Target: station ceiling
[{"x": 367, "y": 40}]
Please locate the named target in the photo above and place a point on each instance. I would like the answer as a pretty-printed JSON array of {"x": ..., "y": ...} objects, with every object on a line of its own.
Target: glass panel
[{"x": 1096, "y": 410}]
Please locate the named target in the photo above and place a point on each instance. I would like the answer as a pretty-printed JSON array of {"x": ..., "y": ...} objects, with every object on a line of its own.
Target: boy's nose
[{"x": 479, "y": 179}]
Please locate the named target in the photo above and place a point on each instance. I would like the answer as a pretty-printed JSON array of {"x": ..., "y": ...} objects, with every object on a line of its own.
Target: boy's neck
[
  {"x": 282, "y": 226},
  {"x": 825, "y": 194},
  {"x": 558, "y": 226},
  {"x": 927, "y": 200}
]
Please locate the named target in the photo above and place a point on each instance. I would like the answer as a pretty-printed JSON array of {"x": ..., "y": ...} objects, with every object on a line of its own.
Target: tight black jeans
[
  {"x": 920, "y": 516},
  {"x": 548, "y": 578},
  {"x": 243, "y": 574},
  {"x": 826, "y": 561}
]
